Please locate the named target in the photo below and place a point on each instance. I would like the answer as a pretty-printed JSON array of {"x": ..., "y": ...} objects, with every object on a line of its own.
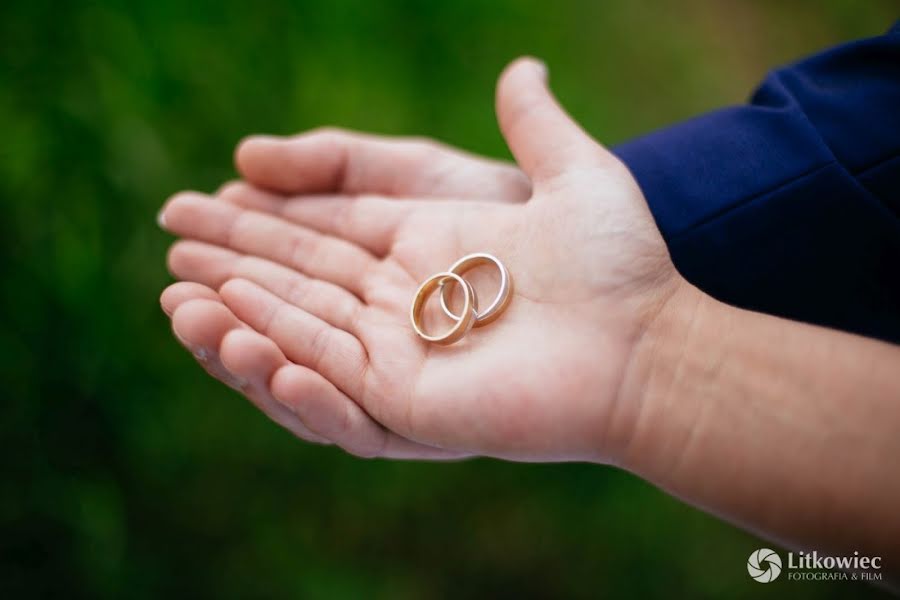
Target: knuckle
[
  {"x": 345, "y": 215},
  {"x": 298, "y": 292},
  {"x": 303, "y": 249},
  {"x": 318, "y": 346},
  {"x": 329, "y": 131}
]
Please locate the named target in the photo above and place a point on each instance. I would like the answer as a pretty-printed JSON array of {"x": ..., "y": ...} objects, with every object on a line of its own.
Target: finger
[
  {"x": 368, "y": 220},
  {"x": 333, "y": 160},
  {"x": 330, "y": 413},
  {"x": 201, "y": 263},
  {"x": 214, "y": 265},
  {"x": 179, "y": 293},
  {"x": 254, "y": 358},
  {"x": 544, "y": 139},
  {"x": 201, "y": 325},
  {"x": 304, "y": 338},
  {"x": 200, "y": 217}
]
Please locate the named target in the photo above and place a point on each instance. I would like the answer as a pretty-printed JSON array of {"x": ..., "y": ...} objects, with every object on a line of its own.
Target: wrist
[
  {"x": 780, "y": 427},
  {"x": 669, "y": 356}
]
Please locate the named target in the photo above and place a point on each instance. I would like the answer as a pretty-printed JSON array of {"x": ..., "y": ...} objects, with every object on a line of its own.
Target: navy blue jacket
[{"x": 790, "y": 204}]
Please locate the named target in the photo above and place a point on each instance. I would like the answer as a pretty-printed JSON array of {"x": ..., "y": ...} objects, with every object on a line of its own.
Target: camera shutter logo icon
[{"x": 764, "y": 565}]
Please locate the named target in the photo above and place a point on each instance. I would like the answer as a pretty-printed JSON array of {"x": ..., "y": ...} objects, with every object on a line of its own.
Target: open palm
[{"x": 311, "y": 318}]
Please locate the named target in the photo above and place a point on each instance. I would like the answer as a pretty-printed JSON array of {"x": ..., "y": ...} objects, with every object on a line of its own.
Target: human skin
[{"x": 605, "y": 353}]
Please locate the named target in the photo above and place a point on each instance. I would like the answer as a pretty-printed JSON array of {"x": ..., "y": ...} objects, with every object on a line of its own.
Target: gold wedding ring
[
  {"x": 463, "y": 324},
  {"x": 470, "y": 315},
  {"x": 495, "y": 308}
]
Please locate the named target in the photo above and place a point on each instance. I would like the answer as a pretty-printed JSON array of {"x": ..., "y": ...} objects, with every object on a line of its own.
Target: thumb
[{"x": 543, "y": 138}]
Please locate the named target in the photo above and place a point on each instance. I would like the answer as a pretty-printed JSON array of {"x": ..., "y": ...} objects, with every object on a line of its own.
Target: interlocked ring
[
  {"x": 463, "y": 323},
  {"x": 495, "y": 308}
]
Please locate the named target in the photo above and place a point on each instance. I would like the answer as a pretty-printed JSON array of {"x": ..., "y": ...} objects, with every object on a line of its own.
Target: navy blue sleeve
[{"x": 790, "y": 204}]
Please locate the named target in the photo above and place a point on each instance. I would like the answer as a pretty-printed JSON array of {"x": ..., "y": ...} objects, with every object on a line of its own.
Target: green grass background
[{"x": 127, "y": 472}]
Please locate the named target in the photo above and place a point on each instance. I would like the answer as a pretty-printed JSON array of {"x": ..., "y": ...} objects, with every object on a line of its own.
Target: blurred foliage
[{"x": 128, "y": 472}]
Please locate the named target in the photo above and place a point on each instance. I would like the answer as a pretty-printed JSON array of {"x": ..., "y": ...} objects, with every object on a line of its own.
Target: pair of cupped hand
[{"x": 295, "y": 286}]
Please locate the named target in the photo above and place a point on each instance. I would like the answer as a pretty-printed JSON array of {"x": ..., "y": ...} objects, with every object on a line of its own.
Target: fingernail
[
  {"x": 161, "y": 217},
  {"x": 263, "y": 138},
  {"x": 183, "y": 341},
  {"x": 543, "y": 71},
  {"x": 218, "y": 369},
  {"x": 225, "y": 186},
  {"x": 238, "y": 383}
]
